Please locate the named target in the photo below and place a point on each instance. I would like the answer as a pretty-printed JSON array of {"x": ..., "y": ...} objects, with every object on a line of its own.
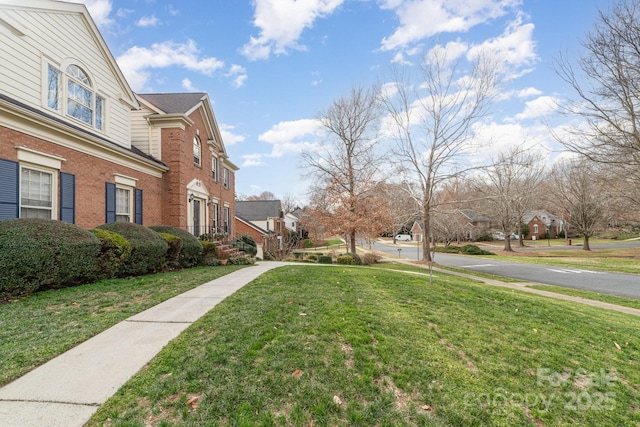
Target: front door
[{"x": 196, "y": 217}]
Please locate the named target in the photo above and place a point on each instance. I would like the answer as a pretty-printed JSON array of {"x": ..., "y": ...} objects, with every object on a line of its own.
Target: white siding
[
  {"x": 59, "y": 38},
  {"x": 143, "y": 136}
]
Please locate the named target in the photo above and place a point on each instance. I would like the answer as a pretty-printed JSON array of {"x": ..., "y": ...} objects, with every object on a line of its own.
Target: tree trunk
[
  {"x": 507, "y": 242},
  {"x": 426, "y": 246},
  {"x": 352, "y": 242},
  {"x": 585, "y": 245}
]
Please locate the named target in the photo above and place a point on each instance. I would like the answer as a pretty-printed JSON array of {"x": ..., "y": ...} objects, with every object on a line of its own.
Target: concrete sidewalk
[{"x": 68, "y": 390}]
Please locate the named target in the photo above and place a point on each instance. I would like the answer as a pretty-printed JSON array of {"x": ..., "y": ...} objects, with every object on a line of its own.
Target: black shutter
[
  {"x": 111, "y": 202},
  {"x": 9, "y": 190},
  {"x": 67, "y": 198},
  {"x": 137, "y": 206}
]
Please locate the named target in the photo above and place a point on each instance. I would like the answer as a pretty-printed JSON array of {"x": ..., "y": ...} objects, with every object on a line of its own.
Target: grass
[
  {"x": 305, "y": 345},
  {"x": 611, "y": 299},
  {"x": 611, "y": 260},
  {"x": 46, "y": 324}
]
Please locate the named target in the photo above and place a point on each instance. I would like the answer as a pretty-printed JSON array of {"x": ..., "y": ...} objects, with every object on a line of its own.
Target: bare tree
[
  {"x": 432, "y": 121},
  {"x": 346, "y": 167},
  {"x": 509, "y": 187},
  {"x": 583, "y": 194},
  {"x": 289, "y": 203},
  {"x": 607, "y": 85},
  {"x": 402, "y": 209}
]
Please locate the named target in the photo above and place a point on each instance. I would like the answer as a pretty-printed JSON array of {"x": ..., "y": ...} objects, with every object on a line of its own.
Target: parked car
[{"x": 403, "y": 238}]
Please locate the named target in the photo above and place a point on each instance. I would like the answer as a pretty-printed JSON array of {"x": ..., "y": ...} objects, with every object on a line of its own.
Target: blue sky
[{"x": 270, "y": 65}]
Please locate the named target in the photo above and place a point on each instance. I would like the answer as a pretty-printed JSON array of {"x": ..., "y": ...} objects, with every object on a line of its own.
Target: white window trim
[
  {"x": 198, "y": 143},
  {"x": 130, "y": 189},
  {"x": 54, "y": 186},
  {"x": 125, "y": 180},
  {"x": 39, "y": 158},
  {"x": 63, "y": 92}
]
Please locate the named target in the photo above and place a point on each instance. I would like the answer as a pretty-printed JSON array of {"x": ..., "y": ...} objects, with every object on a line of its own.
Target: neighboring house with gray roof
[
  {"x": 540, "y": 223},
  {"x": 265, "y": 214}
]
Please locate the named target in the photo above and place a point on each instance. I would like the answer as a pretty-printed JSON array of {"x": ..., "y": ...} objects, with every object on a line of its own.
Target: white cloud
[
  {"x": 136, "y": 61},
  {"x": 238, "y": 74},
  {"x": 452, "y": 51},
  {"x": 495, "y": 138},
  {"x": 148, "y": 21},
  {"x": 528, "y": 92},
  {"x": 252, "y": 160},
  {"x": 515, "y": 48},
  {"x": 539, "y": 107},
  {"x": 123, "y": 13},
  {"x": 420, "y": 19},
  {"x": 186, "y": 83},
  {"x": 281, "y": 24},
  {"x": 293, "y": 137},
  {"x": 228, "y": 135},
  {"x": 99, "y": 11}
]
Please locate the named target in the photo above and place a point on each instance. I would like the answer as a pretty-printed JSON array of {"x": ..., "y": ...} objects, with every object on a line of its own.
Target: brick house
[
  {"x": 261, "y": 219},
  {"x": 540, "y": 223},
  {"x": 77, "y": 145}
]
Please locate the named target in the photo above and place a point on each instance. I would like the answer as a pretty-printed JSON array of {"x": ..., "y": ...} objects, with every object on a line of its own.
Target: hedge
[
  {"x": 172, "y": 257},
  {"x": 356, "y": 258},
  {"x": 114, "y": 250},
  {"x": 325, "y": 259},
  {"x": 191, "y": 252},
  {"x": 148, "y": 249},
  {"x": 38, "y": 254}
]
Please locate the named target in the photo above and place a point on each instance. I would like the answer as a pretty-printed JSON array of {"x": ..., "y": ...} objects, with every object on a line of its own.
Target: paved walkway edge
[{"x": 67, "y": 390}]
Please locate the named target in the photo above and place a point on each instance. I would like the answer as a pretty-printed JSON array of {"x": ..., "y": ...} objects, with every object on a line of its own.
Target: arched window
[
  {"x": 196, "y": 150},
  {"x": 79, "y": 95}
]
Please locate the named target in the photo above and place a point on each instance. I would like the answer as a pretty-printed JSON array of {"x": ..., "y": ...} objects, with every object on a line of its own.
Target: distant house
[
  {"x": 78, "y": 145},
  {"x": 468, "y": 225},
  {"x": 261, "y": 219},
  {"x": 294, "y": 222},
  {"x": 540, "y": 223}
]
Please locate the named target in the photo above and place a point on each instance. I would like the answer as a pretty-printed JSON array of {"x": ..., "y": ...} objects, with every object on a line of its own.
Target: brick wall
[{"x": 91, "y": 174}]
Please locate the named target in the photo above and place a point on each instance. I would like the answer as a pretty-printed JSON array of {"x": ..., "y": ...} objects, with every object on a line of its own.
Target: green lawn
[
  {"x": 611, "y": 299},
  {"x": 306, "y": 345},
  {"x": 38, "y": 328}
]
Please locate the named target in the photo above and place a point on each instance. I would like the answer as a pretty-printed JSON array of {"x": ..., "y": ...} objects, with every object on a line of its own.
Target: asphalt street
[{"x": 627, "y": 285}]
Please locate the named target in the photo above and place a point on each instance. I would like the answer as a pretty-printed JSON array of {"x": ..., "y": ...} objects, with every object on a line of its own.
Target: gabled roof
[
  {"x": 252, "y": 225},
  {"x": 543, "y": 216},
  {"x": 474, "y": 216},
  {"x": 170, "y": 105},
  {"x": 174, "y": 103},
  {"x": 299, "y": 213},
  {"x": 258, "y": 210},
  {"x": 66, "y": 7}
]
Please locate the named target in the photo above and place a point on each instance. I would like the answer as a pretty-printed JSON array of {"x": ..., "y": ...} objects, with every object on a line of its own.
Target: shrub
[
  {"x": 114, "y": 250},
  {"x": 172, "y": 257},
  {"x": 474, "y": 250},
  {"x": 208, "y": 253},
  {"x": 370, "y": 258},
  {"x": 312, "y": 257},
  {"x": 298, "y": 254},
  {"x": 356, "y": 258},
  {"x": 345, "y": 260},
  {"x": 191, "y": 251},
  {"x": 325, "y": 259},
  {"x": 148, "y": 249},
  {"x": 41, "y": 253},
  {"x": 240, "y": 261},
  {"x": 246, "y": 244},
  {"x": 466, "y": 249},
  {"x": 212, "y": 262}
]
